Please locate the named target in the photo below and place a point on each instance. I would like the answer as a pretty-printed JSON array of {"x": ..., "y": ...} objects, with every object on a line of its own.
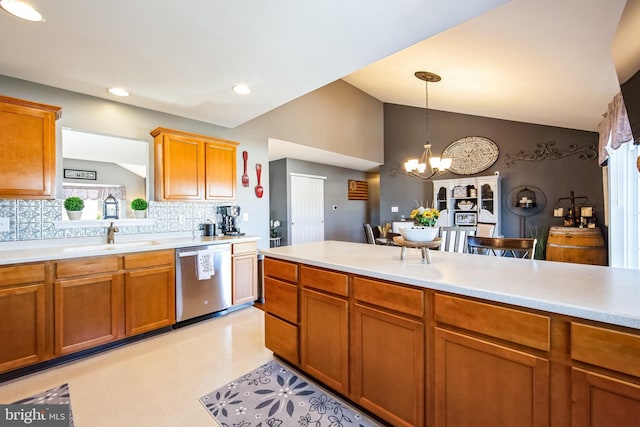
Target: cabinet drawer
[
  {"x": 21, "y": 274},
  {"x": 531, "y": 330},
  {"x": 609, "y": 349},
  {"x": 84, "y": 266},
  {"x": 330, "y": 281},
  {"x": 149, "y": 259},
  {"x": 281, "y": 270},
  {"x": 394, "y": 297},
  {"x": 281, "y": 337},
  {"x": 281, "y": 299},
  {"x": 243, "y": 248}
]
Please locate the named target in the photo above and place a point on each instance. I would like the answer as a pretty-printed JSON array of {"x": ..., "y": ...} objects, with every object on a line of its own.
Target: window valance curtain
[
  {"x": 94, "y": 192},
  {"x": 614, "y": 127}
]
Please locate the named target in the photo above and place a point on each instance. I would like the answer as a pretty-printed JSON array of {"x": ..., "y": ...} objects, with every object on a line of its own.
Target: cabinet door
[
  {"x": 602, "y": 401},
  {"x": 28, "y": 141},
  {"x": 86, "y": 312},
  {"x": 22, "y": 326},
  {"x": 220, "y": 171},
  {"x": 150, "y": 301},
  {"x": 324, "y": 338},
  {"x": 388, "y": 366},
  {"x": 180, "y": 165},
  {"x": 245, "y": 278},
  {"x": 479, "y": 384}
]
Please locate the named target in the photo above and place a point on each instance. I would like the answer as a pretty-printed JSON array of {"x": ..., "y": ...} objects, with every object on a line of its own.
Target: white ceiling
[{"x": 537, "y": 61}]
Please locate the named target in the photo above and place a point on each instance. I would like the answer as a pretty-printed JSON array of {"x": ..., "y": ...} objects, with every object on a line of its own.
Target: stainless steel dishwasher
[{"x": 199, "y": 297}]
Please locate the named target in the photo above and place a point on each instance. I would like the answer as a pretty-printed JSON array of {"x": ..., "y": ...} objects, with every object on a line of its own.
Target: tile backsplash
[{"x": 34, "y": 219}]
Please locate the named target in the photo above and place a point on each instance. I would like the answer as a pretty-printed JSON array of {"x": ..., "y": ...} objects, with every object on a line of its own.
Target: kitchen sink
[{"x": 109, "y": 246}]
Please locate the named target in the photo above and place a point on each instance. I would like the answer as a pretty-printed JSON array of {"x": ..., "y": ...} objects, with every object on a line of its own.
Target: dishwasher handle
[{"x": 218, "y": 249}]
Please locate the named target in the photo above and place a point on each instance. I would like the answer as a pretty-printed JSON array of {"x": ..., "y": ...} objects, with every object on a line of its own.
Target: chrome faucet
[{"x": 111, "y": 233}]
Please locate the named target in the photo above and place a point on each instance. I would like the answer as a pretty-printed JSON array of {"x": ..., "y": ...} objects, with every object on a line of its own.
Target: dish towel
[{"x": 204, "y": 264}]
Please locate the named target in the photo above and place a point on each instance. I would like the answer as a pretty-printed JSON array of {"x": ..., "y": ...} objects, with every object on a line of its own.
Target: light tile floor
[{"x": 158, "y": 381}]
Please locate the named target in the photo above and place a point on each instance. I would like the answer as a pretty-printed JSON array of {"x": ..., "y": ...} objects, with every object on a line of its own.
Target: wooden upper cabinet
[
  {"x": 189, "y": 166},
  {"x": 220, "y": 171},
  {"x": 28, "y": 143}
]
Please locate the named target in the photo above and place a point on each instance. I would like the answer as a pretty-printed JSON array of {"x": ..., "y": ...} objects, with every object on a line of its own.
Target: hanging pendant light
[{"x": 427, "y": 165}]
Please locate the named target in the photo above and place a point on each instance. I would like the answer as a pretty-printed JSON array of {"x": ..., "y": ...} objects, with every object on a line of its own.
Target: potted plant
[
  {"x": 139, "y": 206},
  {"x": 74, "y": 205}
]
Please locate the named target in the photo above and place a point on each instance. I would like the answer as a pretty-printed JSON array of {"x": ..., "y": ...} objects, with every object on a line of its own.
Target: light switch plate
[
  {"x": 245, "y": 217},
  {"x": 394, "y": 209},
  {"x": 4, "y": 224}
]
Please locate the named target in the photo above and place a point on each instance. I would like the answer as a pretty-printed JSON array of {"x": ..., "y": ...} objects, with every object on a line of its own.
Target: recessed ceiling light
[
  {"x": 241, "y": 89},
  {"x": 118, "y": 91},
  {"x": 21, "y": 10}
]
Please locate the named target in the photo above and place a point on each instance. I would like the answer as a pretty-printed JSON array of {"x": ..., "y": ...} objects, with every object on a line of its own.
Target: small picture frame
[
  {"x": 466, "y": 218},
  {"x": 459, "y": 191},
  {"x": 80, "y": 174}
]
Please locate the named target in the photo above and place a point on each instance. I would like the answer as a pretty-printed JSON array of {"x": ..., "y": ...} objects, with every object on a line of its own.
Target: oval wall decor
[{"x": 471, "y": 155}]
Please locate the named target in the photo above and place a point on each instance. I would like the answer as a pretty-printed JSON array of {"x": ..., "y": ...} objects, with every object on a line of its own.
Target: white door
[{"x": 307, "y": 209}]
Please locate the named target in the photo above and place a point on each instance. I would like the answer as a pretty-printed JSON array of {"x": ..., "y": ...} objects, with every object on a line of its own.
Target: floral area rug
[
  {"x": 275, "y": 396},
  {"x": 55, "y": 396}
]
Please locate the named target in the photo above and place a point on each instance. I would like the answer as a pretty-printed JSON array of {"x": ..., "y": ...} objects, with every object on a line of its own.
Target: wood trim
[
  {"x": 281, "y": 269},
  {"x": 526, "y": 402},
  {"x": 84, "y": 266},
  {"x": 161, "y": 130},
  {"x": 599, "y": 400},
  {"x": 528, "y": 329},
  {"x": 618, "y": 351},
  {"x": 281, "y": 299},
  {"x": 324, "y": 280},
  {"x": 149, "y": 259},
  {"x": 21, "y": 274},
  {"x": 282, "y": 338},
  {"x": 396, "y": 297},
  {"x": 31, "y": 104},
  {"x": 244, "y": 248}
]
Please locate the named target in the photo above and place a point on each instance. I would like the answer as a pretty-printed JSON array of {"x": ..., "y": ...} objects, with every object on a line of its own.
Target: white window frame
[{"x": 623, "y": 203}]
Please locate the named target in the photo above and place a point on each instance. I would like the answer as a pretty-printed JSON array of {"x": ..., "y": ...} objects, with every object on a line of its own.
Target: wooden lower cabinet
[
  {"x": 149, "y": 300},
  {"x": 603, "y": 401},
  {"x": 281, "y": 337},
  {"x": 324, "y": 338},
  {"x": 86, "y": 312},
  {"x": 388, "y": 365},
  {"x": 22, "y": 325},
  {"x": 244, "y": 273},
  {"x": 479, "y": 383}
]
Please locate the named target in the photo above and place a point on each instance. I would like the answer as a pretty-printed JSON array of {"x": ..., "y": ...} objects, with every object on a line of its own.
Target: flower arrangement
[
  {"x": 274, "y": 224},
  {"x": 425, "y": 216}
]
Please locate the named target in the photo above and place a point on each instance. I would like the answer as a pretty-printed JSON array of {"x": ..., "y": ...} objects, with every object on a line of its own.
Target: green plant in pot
[
  {"x": 74, "y": 206},
  {"x": 139, "y": 206}
]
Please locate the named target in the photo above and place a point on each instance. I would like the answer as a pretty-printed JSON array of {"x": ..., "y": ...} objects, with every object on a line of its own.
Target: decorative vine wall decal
[{"x": 548, "y": 151}]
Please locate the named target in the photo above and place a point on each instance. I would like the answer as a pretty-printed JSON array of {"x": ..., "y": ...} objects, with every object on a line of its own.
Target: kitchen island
[{"x": 467, "y": 340}]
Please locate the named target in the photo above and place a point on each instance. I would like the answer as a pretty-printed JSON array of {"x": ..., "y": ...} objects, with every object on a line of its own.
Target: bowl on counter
[{"x": 419, "y": 233}]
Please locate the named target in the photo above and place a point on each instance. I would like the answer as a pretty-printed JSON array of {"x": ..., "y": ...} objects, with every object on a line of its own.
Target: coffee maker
[{"x": 229, "y": 216}]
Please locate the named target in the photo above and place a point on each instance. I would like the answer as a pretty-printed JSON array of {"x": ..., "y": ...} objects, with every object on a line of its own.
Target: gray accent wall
[
  {"x": 346, "y": 221},
  {"x": 404, "y": 130}
]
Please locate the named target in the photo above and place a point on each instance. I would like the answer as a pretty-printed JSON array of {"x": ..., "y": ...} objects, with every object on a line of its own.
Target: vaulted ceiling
[{"x": 538, "y": 61}]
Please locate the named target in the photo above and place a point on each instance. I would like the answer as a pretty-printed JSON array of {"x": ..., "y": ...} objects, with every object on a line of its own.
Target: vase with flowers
[{"x": 425, "y": 229}]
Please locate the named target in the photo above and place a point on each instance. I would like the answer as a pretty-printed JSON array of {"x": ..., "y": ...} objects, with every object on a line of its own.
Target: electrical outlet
[
  {"x": 394, "y": 209},
  {"x": 245, "y": 217},
  {"x": 4, "y": 224}
]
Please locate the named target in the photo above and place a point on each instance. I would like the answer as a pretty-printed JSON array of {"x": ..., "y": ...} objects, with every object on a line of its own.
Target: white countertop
[
  {"x": 604, "y": 294},
  {"x": 45, "y": 250}
]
